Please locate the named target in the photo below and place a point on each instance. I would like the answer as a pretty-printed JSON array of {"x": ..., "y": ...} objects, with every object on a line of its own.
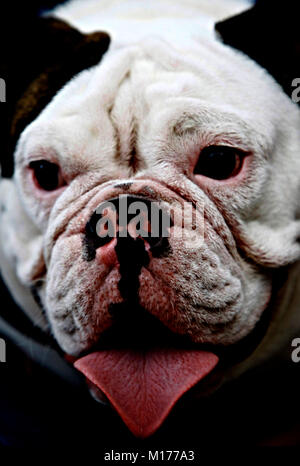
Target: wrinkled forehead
[{"x": 159, "y": 77}]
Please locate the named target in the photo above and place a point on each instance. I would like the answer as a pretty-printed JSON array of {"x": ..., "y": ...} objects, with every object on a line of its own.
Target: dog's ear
[
  {"x": 269, "y": 33},
  {"x": 39, "y": 58}
]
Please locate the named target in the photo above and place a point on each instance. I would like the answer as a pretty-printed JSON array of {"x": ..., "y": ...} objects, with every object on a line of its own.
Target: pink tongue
[{"x": 144, "y": 386}]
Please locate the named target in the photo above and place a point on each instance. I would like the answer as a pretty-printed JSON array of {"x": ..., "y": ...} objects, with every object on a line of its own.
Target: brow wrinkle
[{"x": 116, "y": 134}]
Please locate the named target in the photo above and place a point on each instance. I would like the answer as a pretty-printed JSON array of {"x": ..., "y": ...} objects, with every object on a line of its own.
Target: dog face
[{"x": 201, "y": 132}]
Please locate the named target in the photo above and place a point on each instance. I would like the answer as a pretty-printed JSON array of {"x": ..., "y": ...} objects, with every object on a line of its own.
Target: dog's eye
[
  {"x": 219, "y": 162},
  {"x": 47, "y": 175}
]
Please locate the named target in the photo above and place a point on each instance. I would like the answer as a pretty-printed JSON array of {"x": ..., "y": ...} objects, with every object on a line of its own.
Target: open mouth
[
  {"x": 143, "y": 371},
  {"x": 142, "y": 368},
  {"x": 143, "y": 386}
]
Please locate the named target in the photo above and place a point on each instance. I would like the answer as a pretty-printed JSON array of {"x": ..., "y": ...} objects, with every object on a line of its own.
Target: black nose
[{"x": 129, "y": 216}]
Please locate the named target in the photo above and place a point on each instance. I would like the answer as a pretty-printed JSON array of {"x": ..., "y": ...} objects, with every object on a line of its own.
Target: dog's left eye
[
  {"x": 47, "y": 175},
  {"x": 219, "y": 162}
]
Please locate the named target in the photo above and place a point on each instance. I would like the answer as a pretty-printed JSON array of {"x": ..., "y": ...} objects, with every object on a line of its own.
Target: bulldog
[{"x": 150, "y": 213}]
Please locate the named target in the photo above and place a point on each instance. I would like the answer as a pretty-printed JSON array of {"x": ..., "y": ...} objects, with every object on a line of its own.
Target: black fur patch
[
  {"x": 269, "y": 33},
  {"x": 40, "y": 57}
]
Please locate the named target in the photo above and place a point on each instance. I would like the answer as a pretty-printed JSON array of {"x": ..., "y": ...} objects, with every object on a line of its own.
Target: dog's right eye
[{"x": 47, "y": 175}]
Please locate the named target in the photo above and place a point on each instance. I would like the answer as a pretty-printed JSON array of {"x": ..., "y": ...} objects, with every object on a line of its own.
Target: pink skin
[{"x": 107, "y": 254}]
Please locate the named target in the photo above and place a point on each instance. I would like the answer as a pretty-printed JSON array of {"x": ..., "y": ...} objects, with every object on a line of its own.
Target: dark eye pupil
[
  {"x": 46, "y": 174},
  {"x": 217, "y": 162}
]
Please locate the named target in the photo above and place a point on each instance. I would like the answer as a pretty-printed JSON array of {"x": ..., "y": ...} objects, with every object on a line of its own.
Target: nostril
[
  {"x": 92, "y": 232},
  {"x": 103, "y": 224}
]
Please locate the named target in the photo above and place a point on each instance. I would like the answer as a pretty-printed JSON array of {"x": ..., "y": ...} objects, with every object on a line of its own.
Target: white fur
[{"x": 165, "y": 70}]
